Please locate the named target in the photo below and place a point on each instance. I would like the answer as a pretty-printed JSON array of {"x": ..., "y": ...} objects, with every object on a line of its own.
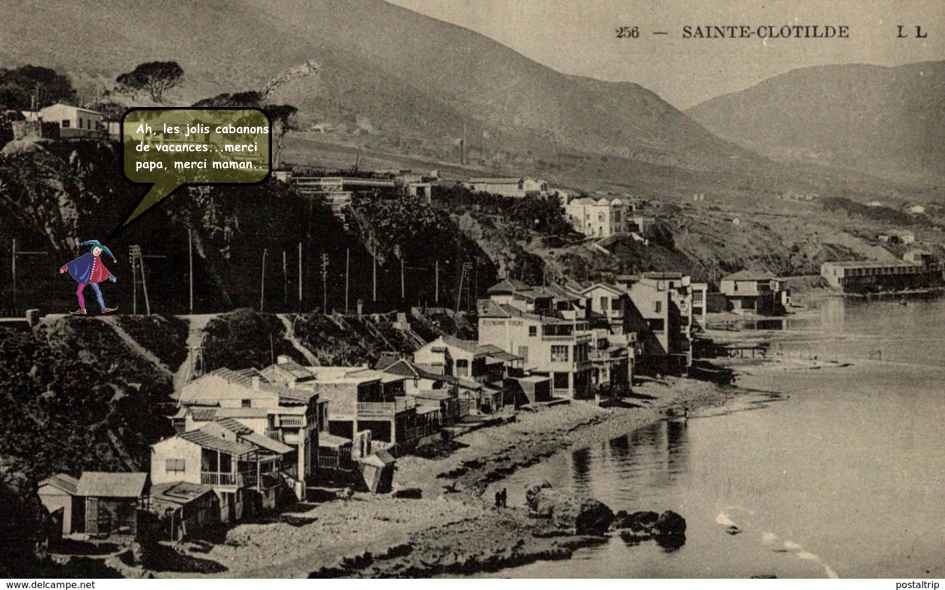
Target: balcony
[
  {"x": 385, "y": 408},
  {"x": 214, "y": 478},
  {"x": 290, "y": 421}
]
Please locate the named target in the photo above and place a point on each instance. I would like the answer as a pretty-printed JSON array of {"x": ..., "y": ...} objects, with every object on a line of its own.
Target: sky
[{"x": 579, "y": 37}]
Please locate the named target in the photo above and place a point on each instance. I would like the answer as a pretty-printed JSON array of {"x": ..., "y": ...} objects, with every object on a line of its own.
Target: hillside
[
  {"x": 879, "y": 120},
  {"x": 386, "y": 71}
]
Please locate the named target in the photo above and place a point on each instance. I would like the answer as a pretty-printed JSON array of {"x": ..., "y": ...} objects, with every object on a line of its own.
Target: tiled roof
[
  {"x": 496, "y": 352},
  {"x": 63, "y": 481},
  {"x": 238, "y": 413},
  {"x": 468, "y": 345},
  {"x": 234, "y": 425},
  {"x": 404, "y": 368},
  {"x": 267, "y": 443},
  {"x": 112, "y": 485},
  {"x": 508, "y": 286},
  {"x": 179, "y": 492},
  {"x": 208, "y": 441}
]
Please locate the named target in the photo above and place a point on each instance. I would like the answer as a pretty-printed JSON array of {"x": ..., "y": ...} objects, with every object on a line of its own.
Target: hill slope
[
  {"x": 386, "y": 70},
  {"x": 881, "y": 120}
]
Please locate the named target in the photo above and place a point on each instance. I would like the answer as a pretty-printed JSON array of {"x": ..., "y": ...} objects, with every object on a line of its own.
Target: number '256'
[{"x": 628, "y": 32}]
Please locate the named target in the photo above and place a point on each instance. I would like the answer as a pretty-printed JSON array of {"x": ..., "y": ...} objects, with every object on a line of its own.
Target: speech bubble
[{"x": 172, "y": 147}]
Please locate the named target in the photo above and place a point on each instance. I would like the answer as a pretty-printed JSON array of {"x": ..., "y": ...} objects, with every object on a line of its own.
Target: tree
[
  {"x": 283, "y": 119},
  {"x": 154, "y": 76},
  {"x": 18, "y": 85}
]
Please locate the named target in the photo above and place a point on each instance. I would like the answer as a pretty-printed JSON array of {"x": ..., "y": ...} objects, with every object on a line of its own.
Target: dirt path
[
  {"x": 290, "y": 336},
  {"x": 196, "y": 325},
  {"x": 135, "y": 346}
]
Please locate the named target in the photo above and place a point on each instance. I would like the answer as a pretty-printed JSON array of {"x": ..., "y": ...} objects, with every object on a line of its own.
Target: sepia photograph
[{"x": 495, "y": 290}]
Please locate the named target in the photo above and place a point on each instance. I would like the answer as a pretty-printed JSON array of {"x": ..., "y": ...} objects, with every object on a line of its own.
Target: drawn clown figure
[{"x": 89, "y": 269}]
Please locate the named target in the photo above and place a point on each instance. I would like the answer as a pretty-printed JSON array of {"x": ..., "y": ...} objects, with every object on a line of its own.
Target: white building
[
  {"x": 507, "y": 186},
  {"x": 73, "y": 121},
  {"x": 598, "y": 218}
]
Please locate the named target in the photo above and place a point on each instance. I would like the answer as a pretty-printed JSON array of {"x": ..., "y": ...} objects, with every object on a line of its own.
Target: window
[
  {"x": 523, "y": 352},
  {"x": 246, "y": 403},
  {"x": 175, "y": 466},
  {"x": 658, "y": 306},
  {"x": 559, "y": 353},
  {"x": 615, "y": 304},
  {"x": 533, "y": 331},
  {"x": 462, "y": 368},
  {"x": 66, "y": 123},
  {"x": 603, "y": 304}
]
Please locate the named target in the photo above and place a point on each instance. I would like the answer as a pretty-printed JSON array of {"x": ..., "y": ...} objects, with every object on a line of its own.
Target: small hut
[
  {"x": 60, "y": 492},
  {"x": 378, "y": 471}
]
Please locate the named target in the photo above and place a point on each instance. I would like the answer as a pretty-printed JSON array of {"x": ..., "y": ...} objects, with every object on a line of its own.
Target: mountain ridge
[
  {"x": 876, "y": 119},
  {"x": 386, "y": 71}
]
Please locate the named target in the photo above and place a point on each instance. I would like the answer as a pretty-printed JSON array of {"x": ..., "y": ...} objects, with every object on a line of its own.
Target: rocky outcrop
[
  {"x": 568, "y": 512},
  {"x": 667, "y": 529}
]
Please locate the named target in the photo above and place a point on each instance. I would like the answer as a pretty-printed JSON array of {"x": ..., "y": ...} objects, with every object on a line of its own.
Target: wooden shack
[
  {"x": 184, "y": 508},
  {"x": 112, "y": 501},
  {"x": 60, "y": 492}
]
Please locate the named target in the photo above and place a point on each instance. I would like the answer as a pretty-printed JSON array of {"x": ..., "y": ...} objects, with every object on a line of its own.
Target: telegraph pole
[
  {"x": 262, "y": 281},
  {"x": 13, "y": 271},
  {"x": 436, "y": 273},
  {"x": 325, "y": 283},
  {"x": 402, "y": 286},
  {"x": 300, "y": 276},
  {"x": 190, "y": 268},
  {"x": 347, "y": 272},
  {"x": 285, "y": 280},
  {"x": 374, "y": 276}
]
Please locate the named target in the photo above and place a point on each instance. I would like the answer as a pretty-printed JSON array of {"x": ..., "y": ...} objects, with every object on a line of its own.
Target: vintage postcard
[{"x": 472, "y": 289}]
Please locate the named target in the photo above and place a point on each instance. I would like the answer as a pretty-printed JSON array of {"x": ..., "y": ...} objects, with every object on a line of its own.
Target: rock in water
[
  {"x": 641, "y": 521},
  {"x": 531, "y": 492},
  {"x": 670, "y": 524},
  {"x": 574, "y": 514}
]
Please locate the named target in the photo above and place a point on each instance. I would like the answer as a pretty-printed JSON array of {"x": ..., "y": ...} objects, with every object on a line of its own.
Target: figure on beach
[{"x": 89, "y": 269}]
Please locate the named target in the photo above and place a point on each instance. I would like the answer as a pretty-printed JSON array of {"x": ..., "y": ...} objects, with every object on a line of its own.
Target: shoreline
[{"x": 451, "y": 529}]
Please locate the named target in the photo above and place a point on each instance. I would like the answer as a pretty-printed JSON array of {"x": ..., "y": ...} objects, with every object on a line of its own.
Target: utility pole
[
  {"x": 137, "y": 264},
  {"x": 325, "y": 283},
  {"x": 436, "y": 273},
  {"x": 13, "y": 271},
  {"x": 402, "y": 286},
  {"x": 190, "y": 268},
  {"x": 262, "y": 281},
  {"x": 285, "y": 280},
  {"x": 347, "y": 272},
  {"x": 374, "y": 271},
  {"x": 300, "y": 276}
]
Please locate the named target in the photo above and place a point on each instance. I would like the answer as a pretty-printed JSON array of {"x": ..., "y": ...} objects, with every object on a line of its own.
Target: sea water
[{"x": 822, "y": 473}]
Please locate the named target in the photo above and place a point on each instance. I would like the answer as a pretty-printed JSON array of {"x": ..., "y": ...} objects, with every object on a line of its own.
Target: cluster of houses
[{"x": 248, "y": 441}]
